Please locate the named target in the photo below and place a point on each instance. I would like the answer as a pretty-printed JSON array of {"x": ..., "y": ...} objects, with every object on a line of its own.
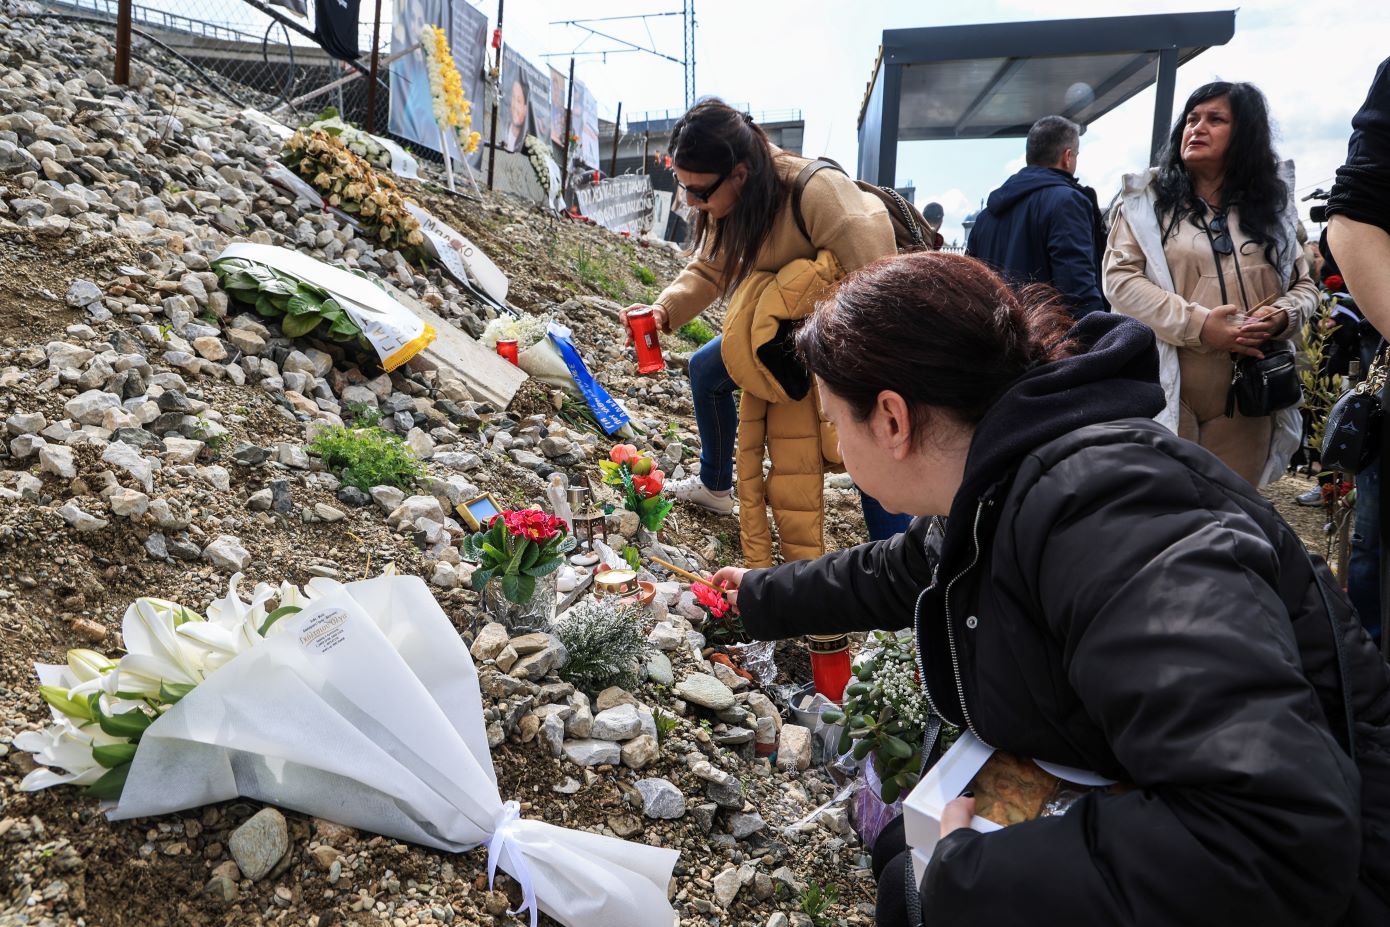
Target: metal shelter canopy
[{"x": 996, "y": 80}]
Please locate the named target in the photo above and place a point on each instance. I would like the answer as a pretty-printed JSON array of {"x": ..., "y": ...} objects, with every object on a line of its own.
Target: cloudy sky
[{"x": 1314, "y": 59}]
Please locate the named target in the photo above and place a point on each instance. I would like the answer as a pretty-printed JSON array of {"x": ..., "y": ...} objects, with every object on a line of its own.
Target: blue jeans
[
  {"x": 1363, "y": 569},
  {"x": 716, "y": 418}
]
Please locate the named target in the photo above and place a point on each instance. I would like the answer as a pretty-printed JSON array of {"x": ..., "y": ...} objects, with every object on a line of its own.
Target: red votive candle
[
  {"x": 830, "y": 664},
  {"x": 643, "y": 325},
  {"x": 506, "y": 347}
]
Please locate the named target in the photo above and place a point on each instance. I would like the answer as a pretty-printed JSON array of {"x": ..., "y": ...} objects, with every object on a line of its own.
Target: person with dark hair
[
  {"x": 739, "y": 186},
  {"x": 1042, "y": 226},
  {"x": 1104, "y": 596},
  {"x": 1358, "y": 229},
  {"x": 1203, "y": 250}
]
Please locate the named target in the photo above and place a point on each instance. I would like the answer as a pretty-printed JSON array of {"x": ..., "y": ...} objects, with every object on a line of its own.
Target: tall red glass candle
[
  {"x": 830, "y": 664},
  {"x": 643, "y": 325}
]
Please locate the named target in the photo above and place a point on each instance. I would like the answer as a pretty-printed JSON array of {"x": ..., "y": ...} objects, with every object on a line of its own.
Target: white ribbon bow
[{"x": 503, "y": 834}]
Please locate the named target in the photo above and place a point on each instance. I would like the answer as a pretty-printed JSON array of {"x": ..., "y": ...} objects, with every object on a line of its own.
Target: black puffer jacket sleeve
[
  {"x": 1160, "y": 591},
  {"x": 872, "y": 586}
]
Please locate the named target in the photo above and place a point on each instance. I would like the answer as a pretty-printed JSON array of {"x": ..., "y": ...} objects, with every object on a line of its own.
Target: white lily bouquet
[{"x": 356, "y": 703}]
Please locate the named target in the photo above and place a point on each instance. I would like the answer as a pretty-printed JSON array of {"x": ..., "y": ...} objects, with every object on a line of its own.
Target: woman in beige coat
[
  {"x": 739, "y": 186},
  {"x": 1203, "y": 250}
]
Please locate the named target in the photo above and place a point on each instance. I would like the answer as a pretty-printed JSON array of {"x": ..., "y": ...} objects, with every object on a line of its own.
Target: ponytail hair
[
  {"x": 942, "y": 330},
  {"x": 714, "y": 138}
]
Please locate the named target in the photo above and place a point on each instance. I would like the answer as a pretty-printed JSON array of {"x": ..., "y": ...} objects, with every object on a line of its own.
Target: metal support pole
[
  {"x": 1163, "y": 102},
  {"x": 497, "y": 103},
  {"x": 646, "y": 137},
  {"x": 121, "y": 70},
  {"x": 371, "y": 75},
  {"x": 617, "y": 128},
  {"x": 569, "y": 123}
]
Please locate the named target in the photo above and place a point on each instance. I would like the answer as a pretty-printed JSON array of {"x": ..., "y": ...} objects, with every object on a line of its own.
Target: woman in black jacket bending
[{"x": 1104, "y": 595}]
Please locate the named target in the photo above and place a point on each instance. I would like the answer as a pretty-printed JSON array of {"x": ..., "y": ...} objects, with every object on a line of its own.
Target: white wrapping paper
[{"x": 365, "y": 710}]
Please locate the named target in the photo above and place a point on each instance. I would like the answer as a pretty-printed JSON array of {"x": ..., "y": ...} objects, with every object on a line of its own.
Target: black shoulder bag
[
  {"x": 1259, "y": 385},
  {"x": 1351, "y": 437}
]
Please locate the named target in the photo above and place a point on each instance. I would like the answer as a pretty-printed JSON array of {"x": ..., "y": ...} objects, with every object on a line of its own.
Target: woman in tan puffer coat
[{"x": 739, "y": 187}]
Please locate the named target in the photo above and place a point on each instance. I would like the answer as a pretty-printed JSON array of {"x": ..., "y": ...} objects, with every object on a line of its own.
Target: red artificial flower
[
  {"x": 623, "y": 453},
  {"x": 649, "y": 485},
  {"x": 1334, "y": 283},
  {"x": 712, "y": 599}
]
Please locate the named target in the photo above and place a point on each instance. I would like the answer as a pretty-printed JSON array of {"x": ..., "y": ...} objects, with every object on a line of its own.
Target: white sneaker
[{"x": 691, "y": 489}]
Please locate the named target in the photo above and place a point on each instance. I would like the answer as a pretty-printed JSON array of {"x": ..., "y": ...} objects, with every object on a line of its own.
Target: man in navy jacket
[{"x": 1042, "y": 226}]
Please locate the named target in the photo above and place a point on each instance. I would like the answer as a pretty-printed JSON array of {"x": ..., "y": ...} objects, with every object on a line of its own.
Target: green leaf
[
  {"x": 845, "y": 742},
  {"x": 529, "y": 558},
  {"x": 494, "y": 555},
  {"x": 114, "y": 755},
  {"x": 130, "y": 724},
  {"x": 862, "y": 748},
  {"x": 890, "y": 791},
  {"x": 832, "y": 716},
  {"x": 857, "y": 688},
  {"x": 265, "y": 308},
  {"x": 172, "y": 692},
  {"x": 526, "y": 587},
  {"x": 301, "y": 303},
  {"x": 275, "y": 616},
  {"x": 895, "y": 747},
  {"x": 297, "y": 326},
  {"x": 57, "y": 696},
  {"x": 545, "y": 568},
  {"x": 511, "y": 588},
  {"x": 480, "y": 578},
  {"x": 110, "y": 785}
]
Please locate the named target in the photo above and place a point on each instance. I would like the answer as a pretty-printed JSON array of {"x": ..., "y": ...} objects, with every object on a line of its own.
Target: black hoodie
[
  {"x": 1041, "y": 227},
  {"x": 1110, "y": 597}
]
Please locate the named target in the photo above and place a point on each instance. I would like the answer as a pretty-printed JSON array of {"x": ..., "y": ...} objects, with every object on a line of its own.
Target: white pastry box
[{"x": 948, "y": 778}]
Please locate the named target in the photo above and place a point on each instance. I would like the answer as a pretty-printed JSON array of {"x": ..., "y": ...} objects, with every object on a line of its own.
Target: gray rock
[
  {"x": 743, "y": 826},
  {"x": 706, "y": 691},
  {"x": 659, "y": 669},
  {"x": 552, "y": 734},
  {"x": 227, "y": 554},
  {"x": 327, "y": 513},
  {"x": 592, "y": 752},
  {"x": 89, "y": 407},
  {"x": 665, "y": 636},
  {"x": 128, "y": 503},
  {"x": 56, "y": 459},
  {"x": 704, "y": 815},
  {"x": 444, "y": 576},
  {"x": 794, "y": 748},
  {"x": 82, "y": 293},
  {"x": 491, "y": 641},
  {"x": 413, "y": 508},
  {"x": 259, "y": 501},
  {"x": 619, "y": 723},
  {"x": 184, "y": 550},
  {"x": 280, "y": 500},
  {"x": 726, "y": 886},
  {"x": 351, "y": 495},
  {"x": 122, "y": 455},
  {"x": 661, "y": 799},
  {"x": 157, "y": 546},
  {"x": 249, "y": 455},
  {"x": 727, "y": 795},
  {"x": 292, "y": 456},
  {"x": 640, "y": 751},
  {"x": 581, "y": 721},
  {"x": 26, "y": 423},
  {"x": 79, "y": 519},
  {"x": 260, "y": 843},
  {"x": 387, "y": 498}
]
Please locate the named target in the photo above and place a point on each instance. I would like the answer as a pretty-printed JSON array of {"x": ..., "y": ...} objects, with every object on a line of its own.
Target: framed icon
[{"x": 476, "y": 512}]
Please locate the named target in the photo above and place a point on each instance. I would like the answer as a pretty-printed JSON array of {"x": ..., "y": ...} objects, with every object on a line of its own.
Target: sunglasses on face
[{"x": 702, "y": 194}]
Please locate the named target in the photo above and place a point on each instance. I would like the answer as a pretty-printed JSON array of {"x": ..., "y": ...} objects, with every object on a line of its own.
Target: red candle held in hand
[
  {"x": 830, "y": 664},
  {"x": 506, "y": 347},
  {"x": 643, "y": 325}
]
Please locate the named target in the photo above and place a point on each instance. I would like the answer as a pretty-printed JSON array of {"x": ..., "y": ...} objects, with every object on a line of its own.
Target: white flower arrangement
[
  {"x": 101, "y": 707},
  {"x": 537, "y": 152},
  {"x": 527, "y": 331}
]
